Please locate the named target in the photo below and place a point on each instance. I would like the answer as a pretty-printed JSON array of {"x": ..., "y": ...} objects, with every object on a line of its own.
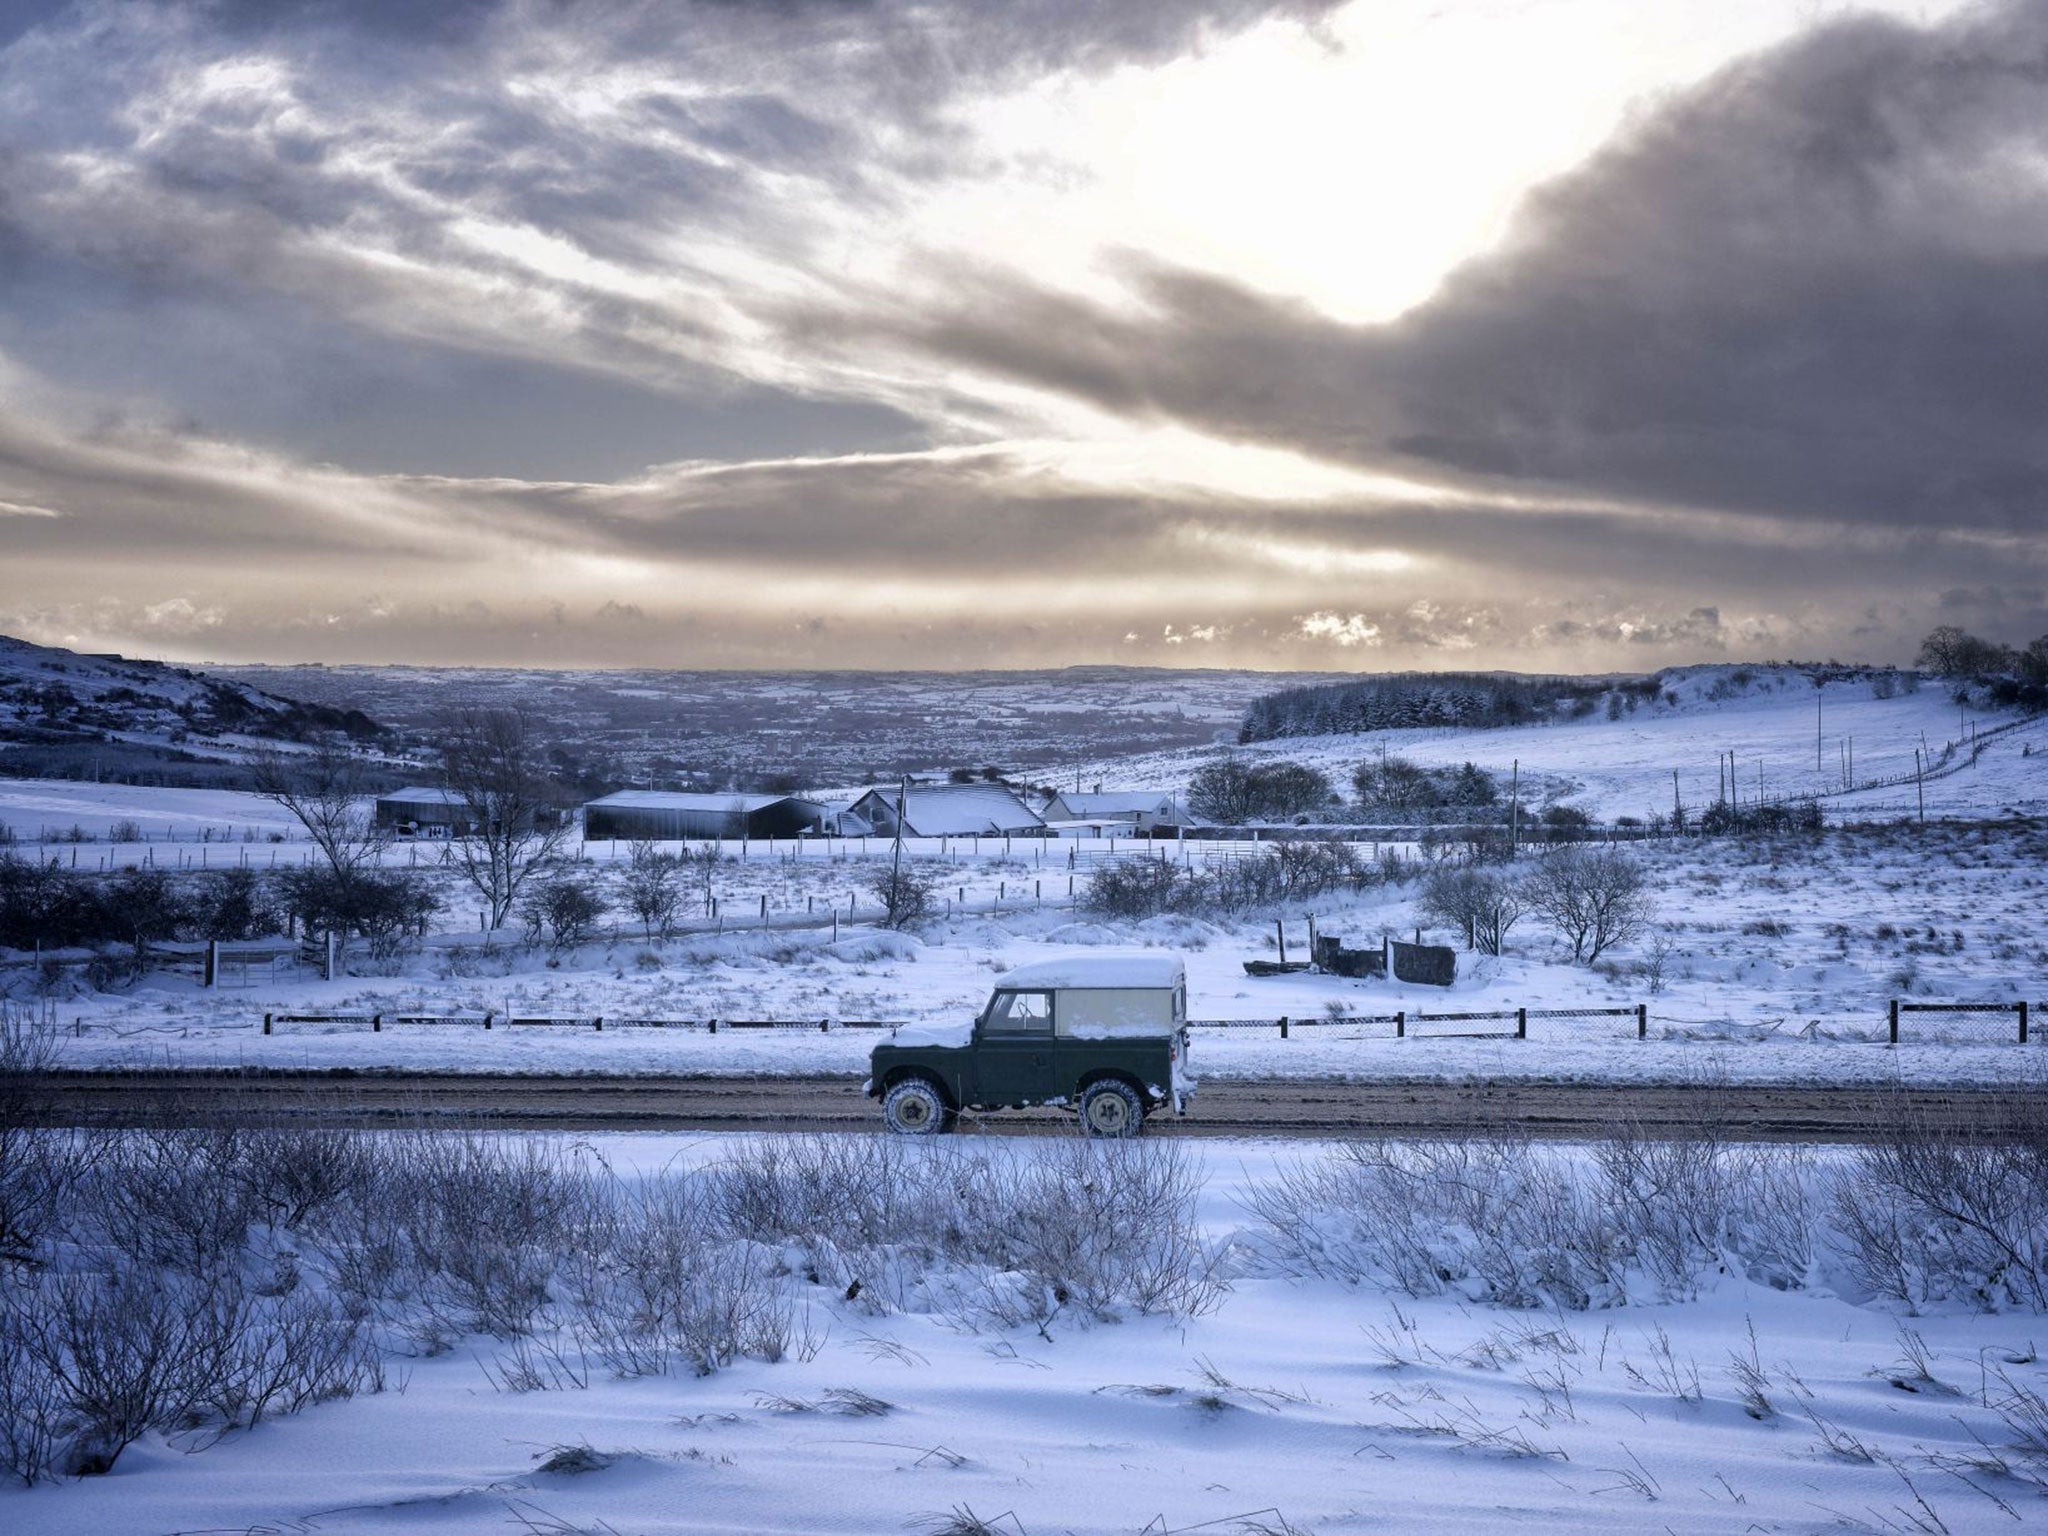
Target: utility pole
[
  {"x": 1514, "y": 800},
  {"x": 896, "y": 856},
  {"x": 1819, "y": 683},
  {"x": 1920, "y": 783}
]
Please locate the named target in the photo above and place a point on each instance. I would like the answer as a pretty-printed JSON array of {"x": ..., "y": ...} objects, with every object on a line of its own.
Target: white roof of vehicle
[{"x": 1116, "y": 970}]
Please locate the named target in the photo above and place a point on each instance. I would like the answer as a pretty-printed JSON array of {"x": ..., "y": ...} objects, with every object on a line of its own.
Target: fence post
[
  {"x": 1521, "y": 1023},
  {"x": 266, "y": 1023},
  {"x": 1283, "y": 1026},
  {"x": 1895, "y": 1021},
  {"x": 1280, "y": 928},
  {"x": 2023, "y": 1021},
  {"x": 1401, "y": 1024},
  {"x": 212, "y": 976},
  {"x": 487, "y": 1018},
  {"x": 711, "y": 1026},
  {"x": 598, "y": 1023},
  {"x": 1642, "y": 1021},
  {"x": 824, "y": 1026},
  {"x": 376, "y": 1023}
]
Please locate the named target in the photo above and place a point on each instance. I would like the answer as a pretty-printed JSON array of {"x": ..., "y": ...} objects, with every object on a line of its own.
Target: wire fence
[{"x": 2013, "y": 1022}]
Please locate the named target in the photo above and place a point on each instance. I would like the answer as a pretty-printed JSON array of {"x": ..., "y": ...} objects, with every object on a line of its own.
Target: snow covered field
[
  {"x": 1765, "y": 715},
  {"x": 1740, "y": 1395},
  {"x": 1769, "y": 961},
  {"x": 1341, "y": 1368}
]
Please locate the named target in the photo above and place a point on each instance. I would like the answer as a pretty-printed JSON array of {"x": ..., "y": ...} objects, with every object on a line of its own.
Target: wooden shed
[{"x": 422, "y": 810}]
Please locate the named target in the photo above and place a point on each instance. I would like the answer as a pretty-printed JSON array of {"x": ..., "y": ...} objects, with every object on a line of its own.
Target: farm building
[
  {"x": 418, "y": 810},
  {"x": 647, "y": 813},
  {"x": 1140, "y": 810},
  {"x": 950, "y": 810}
]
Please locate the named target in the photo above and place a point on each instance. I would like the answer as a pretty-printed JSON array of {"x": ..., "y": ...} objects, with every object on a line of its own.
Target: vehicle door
[{"x": 1013, "y": 1056}]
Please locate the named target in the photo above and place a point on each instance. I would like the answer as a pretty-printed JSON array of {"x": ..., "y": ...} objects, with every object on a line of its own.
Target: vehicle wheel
[
  {"x": 915, "y": 1107},
  {"x": 1110, "y": 1108}
]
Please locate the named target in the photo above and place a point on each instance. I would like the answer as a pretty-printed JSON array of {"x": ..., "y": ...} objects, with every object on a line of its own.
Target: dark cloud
[
  {"x": 1815, "y": 286},
  {"x": 210, "y": 176}
]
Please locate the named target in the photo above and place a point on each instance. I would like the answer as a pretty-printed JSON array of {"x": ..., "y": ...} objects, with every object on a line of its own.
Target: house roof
[
  {"x": 1113, "y": 802},
  {"x": 666, "y": 800},
  {"x": 424, "y": 794},
  {"x": 958, "y": 810},
  {"x": 1124, "y": 969}
]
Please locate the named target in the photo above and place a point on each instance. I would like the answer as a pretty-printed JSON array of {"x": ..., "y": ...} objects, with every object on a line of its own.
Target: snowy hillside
[
  {"x": 1788, "y": 739},
  {"x": 62, "y": 712}
]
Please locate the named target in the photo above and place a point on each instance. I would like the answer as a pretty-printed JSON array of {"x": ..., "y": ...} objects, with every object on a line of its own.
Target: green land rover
[{"x": 1104, "y": 1035}]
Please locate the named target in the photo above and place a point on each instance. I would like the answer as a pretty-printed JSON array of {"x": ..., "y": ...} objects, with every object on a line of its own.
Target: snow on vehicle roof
[{"x": 1123, "y": 970}]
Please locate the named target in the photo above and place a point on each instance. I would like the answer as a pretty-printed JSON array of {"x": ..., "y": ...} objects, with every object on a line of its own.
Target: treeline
[
  {"x": 56, "y": 907},
  {"x": 1410, "y": 701},
  {"x": 2015, "y": 677}
]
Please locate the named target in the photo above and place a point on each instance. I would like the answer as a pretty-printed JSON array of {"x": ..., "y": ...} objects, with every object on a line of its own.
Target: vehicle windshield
[{"x": 1019, "y": 1013}]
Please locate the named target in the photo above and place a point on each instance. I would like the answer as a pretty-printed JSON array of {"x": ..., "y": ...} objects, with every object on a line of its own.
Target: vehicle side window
[{"x": 1019, "y": 1013}]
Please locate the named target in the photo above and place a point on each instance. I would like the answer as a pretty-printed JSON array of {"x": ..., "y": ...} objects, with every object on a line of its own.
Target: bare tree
[
  {"x": 496, "y": 764},
  {"x": 330, "y": 791},
  {"x": 652, "y": 882},
  {"x": 1595, "y": 900},
  {"x": 1484, "y": 904}
]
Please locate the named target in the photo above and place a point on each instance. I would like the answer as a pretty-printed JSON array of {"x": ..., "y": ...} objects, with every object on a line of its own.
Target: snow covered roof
[
  {"x": 665, "y": 800},
  {"x": 1110, "y": 804},
  {"x": 1144, "y": 969},
  {"x": 958, "y": 810},
  {"x": 421, "y": 794}
]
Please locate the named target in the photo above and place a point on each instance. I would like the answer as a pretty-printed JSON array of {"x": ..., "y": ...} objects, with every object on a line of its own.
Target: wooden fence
[{"x": 1483, "y": 1024}]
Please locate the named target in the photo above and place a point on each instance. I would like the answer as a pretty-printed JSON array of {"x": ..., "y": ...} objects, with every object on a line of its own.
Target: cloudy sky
[{"x": 1276, "y": 333}]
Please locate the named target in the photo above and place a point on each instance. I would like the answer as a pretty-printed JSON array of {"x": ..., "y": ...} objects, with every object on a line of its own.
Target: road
[{"x": 1298, "y": 1108}]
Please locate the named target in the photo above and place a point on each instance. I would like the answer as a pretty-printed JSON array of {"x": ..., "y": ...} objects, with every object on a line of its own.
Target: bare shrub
[
  {"x": 667, "y": 1288},
  {"x": 1940, "y": 1211},
  {"x": 1105, "y": 1225},
  {"x": 1594, "y": 899},
  {"x": 1502, "y": 1217},
  {"x": 489, "y": 1218},
  {"x": 125, "y": 1350},
  {"x": 1094, "y": 1225},
  {"x": 1517, "y": 1225},
  {"x": 652, "y": 883},
  {"x": 32, "y": 1421},
  {"x": 1288, "y": 870},
  {"x": 1139, "y": 888},
  {"x": 37, "y": 1166},
  {"x": 908, "y": 894},
  {"x": 562, "y": 907},
  {"x": 294, "y": 1176},
  {"x": 1481, "y": 902},
  {"x": 175, "y": 1199}
]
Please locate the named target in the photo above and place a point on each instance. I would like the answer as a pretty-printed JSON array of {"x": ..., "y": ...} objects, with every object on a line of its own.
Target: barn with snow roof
[
  {"x": 950, "y": 810},
  {"x": 632, "y": 815}
]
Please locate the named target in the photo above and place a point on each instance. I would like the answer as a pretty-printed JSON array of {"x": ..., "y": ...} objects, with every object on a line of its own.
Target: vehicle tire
[
  {"x": 915, "y": 1107},
  {"x": 1110, "y": 1108}
]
